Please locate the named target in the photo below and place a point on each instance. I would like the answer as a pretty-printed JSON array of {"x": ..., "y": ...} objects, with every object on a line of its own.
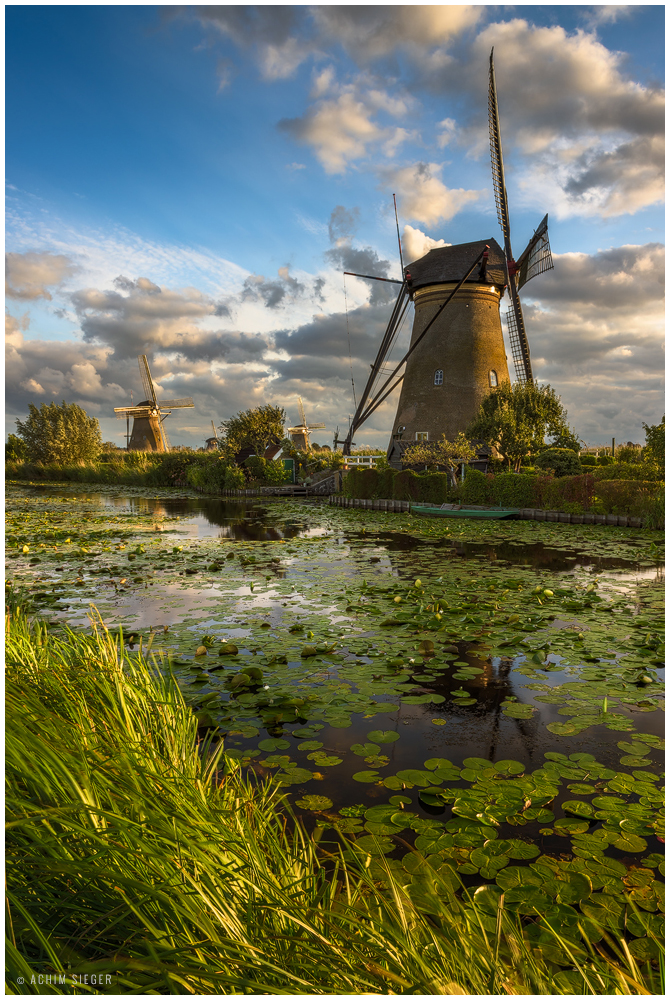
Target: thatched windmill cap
[{"x": 444, "y": 264}]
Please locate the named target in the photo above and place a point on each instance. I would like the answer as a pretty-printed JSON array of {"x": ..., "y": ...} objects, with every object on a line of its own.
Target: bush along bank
[
  {"x": 208, "y": 472},
  {"x": 134, "y": 849},
  {"x": 587, "y": 498}
]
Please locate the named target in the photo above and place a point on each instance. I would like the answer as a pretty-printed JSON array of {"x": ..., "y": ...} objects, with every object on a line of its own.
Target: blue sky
[{"x": 191, "y": 181}]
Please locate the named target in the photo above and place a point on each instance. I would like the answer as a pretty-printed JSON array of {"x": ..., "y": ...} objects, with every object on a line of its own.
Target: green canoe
[{"x": 456, "y": 510}]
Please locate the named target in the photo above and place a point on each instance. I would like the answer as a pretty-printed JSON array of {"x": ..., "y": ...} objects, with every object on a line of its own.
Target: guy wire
[{"x": 351, "y": 364}]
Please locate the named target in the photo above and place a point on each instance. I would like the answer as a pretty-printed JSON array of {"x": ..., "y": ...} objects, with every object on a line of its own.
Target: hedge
[{"x": 388, "y": 484}]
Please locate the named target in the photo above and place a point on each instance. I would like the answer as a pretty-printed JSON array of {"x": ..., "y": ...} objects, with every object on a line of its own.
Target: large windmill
[
  {"x": 456, "y": 353},
  {"x": 300, "y": 433},
  {"x": 149, "y": 433}
]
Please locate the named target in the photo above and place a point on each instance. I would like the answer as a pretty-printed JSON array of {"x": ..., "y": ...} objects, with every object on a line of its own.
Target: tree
[
  {"x": 60, "y": 434},
  {"x": 654, "y": 449},
  {"x": 515, "y": 419},
  {"x": 445, "y": 453},
  {"x": 15, "y": 449},
  {"x": 256, "y": 429},
  {"x": 566, "y": 438}
]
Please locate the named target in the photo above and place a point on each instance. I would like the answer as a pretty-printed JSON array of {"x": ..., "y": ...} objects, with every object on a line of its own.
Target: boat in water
[{"x": 464, "y": 510}]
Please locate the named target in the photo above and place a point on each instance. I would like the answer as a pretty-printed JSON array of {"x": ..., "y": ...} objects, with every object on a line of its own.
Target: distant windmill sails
[
  {"x": 300, "y": 433},
  {"x": 149, "y": 432}
]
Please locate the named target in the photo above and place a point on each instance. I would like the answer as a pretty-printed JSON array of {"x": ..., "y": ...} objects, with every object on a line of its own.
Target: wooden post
[{"x": 612, "y": 447}]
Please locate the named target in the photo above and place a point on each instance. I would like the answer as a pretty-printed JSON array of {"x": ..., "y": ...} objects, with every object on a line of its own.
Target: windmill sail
[
  {"x": 536, "y": 258},
  {"x": 147, "y": 381},
  {"x": 515, "y": 324},
  {"x": 149, "y": 433}
]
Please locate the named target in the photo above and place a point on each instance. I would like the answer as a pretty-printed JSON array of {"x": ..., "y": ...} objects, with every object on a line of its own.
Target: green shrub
[
  {"x": 476, "y": 487},
  {"x": 626, "y": 496},
  {"x": 588, "y": 460},
  {"x": 560, "y": 461},
  {"x": 647, "y": 471},
  {"x": 388, "y": 484},
  {"x": 605, "y": 460}
]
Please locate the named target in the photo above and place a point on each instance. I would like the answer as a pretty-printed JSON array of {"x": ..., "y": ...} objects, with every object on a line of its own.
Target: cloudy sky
[{"x": 190, "y": 182}]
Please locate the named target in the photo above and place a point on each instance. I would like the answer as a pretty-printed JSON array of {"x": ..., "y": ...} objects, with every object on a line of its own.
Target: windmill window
[
  {"x": 439, "y": 377},
  {"x": 421, "y": 436},
  {"x": 493, "y": 379}
]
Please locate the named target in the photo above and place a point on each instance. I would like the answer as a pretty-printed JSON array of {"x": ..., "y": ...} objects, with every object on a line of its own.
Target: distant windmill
[
  {"x": 300, "y": 434},
  {"x": 456, "y": 353},
  {"x": 212, "y": 444},
  {"x": 148, "y": 431}
]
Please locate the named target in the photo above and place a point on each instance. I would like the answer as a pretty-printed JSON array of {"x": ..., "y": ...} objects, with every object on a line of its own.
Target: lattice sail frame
[{"x": 536, "y": 258}]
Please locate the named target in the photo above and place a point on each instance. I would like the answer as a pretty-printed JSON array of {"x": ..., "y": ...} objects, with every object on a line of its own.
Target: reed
[{"x": 132, "y": 849}]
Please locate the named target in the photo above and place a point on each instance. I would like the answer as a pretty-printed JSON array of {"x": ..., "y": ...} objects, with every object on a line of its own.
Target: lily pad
[
  {"x": 367, "y": 777},
  {"x": 383, "y": 736},
  {"x": 314, "y": 803}
]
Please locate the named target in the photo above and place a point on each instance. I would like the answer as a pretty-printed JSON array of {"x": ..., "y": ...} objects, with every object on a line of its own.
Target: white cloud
[
  {"x": 341, "y": 128},
  {"x": 416, "y": 244},
  {"x": 30, "y": 275},
  {"x": 424, "y": 197}
]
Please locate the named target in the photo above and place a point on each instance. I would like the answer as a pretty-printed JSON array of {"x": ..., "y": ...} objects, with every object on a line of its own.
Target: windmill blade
[
  {"x": 315, "y": 427},
  {"x": 163, "y": 432},
  {"x": 497, "y": 167},
  {"x": 518, "y": 339},
  {"x": 133, "y": 411},
  {"x": 147, "y": 381},
  {"x": 536, "y": 258},
  {"x": 214, "y": 431},
  {"x": 301, "y": 411},
  {"x": 176, "y": 404}
]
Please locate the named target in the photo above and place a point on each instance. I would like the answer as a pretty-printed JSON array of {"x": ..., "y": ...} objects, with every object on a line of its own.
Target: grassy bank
[{"x": 130, "y": 850}]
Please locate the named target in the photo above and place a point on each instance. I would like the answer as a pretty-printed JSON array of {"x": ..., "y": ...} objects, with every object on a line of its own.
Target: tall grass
[{"x": 130, "y": 850}]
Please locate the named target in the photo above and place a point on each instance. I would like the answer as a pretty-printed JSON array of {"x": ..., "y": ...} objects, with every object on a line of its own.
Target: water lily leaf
[
  {"x": 296, "y": 776},
  {"x": 578, "y": 808},
  {"x": 521, "y": 850},
  {"x": 631, "y": 843},
  {"x": 438, "y": 762},
  {"x": 383, "y": 736},
  {"x": 273, "y": 744},
  {"x": 571, "y": 825},
  {"x": 310, "y": 745},
  {"x": 364, "y": 749},
  {"x": 581, "y": 789},
  {"x": 514, "y": 710},
  {"x": 509, "y": 767},
  {"x": 353, "y": 811},
  {"x": 392, "y": 782},
  {"x": 374, "y": 845},
  {"x": 314, "y": 803},
  {"x": 366, "y": 776},
  {"x": 421, "y": 778},
  {"x": 527, "y": 899}
]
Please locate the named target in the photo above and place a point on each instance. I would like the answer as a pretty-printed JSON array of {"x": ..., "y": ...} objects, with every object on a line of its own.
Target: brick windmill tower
[{"x": 457, "y": 352}]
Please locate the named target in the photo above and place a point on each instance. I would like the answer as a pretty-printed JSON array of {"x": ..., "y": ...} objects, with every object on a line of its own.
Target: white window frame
[
  {"x": 438, "y": 372},
  {"x": 421, "y": 435},
  {"x": 492, "y": 384}
]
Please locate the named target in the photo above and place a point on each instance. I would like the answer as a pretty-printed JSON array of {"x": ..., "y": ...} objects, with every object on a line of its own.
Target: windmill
[
  {"x": 300, "y": 434},
  {"x": 148, "y": 433},
  {"x": 212, "y": 443},
  {"x": 457, "y": 352}
]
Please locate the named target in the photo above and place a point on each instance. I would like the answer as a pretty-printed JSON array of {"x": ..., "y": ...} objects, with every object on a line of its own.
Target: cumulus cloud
[
  {"x": 596, "y": 333},
  {"x": 29, "y": 275},
  {"x": 342, "y": 125},
  {"x": 582, "y": 138},
  {"x": 416, "y": 244},
  {"x": 273, "y": 292},
  {"x": 423, "y": 196}
]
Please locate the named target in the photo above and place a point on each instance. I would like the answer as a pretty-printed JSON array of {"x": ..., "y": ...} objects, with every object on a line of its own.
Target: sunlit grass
[{"x": 130, "y": 850}]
